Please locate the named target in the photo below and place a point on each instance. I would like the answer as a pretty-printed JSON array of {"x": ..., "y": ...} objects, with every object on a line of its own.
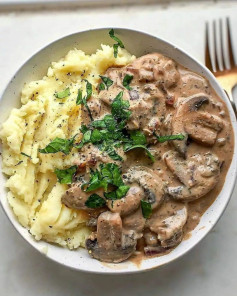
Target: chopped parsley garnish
[
  {"x": 66, "y": 176},
  {"x": 107, "y": 82},
  {"x": 86, "y": 137},
  {"x": 22, "y": 153},
  {"x": 111, "y": 151},
  {"x": 105, "y": 134},
  {"x": 127, "y": 80},
  {"x": 146, "y": 209},
  {"x": 118, "y": 194},
  {"x": 106, "y": 176},
  {"x": 95, "y": 201},
  {"x": 63, "y": 94},
  {"x": 108, "y": 133},
  {"x": 137, "y": 140},
  {"x": 109, "y": 174},
  {"x": 119, "y": 42},
  {"x": 101, "y": 86},
  {"x": 128, "y": 148},
  {"x": 83, "y": 100},
  {"x": 59, "y": 145},
  {"x": 119, "y": 108},
  {"x": 162, "y": 139}
]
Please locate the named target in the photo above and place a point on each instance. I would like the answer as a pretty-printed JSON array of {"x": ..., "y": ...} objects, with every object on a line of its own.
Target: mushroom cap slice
[
  {"x": 188, "y": 120},
  {"x": 110, "y": 243},
  {"x": 135, "y": 221},
  {"x": 150, "y": 182},
  {"x": 198, "y": 174},
  {"x": 128, "y": 203},
  {"x": 168, "y": 222}
]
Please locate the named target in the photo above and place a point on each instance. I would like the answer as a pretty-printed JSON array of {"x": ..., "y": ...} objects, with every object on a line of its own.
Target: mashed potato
[{"x": 34, "y": 193}]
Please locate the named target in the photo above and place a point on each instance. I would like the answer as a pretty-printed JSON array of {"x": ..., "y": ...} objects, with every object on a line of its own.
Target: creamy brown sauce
[{"x": 198, "y": 164}]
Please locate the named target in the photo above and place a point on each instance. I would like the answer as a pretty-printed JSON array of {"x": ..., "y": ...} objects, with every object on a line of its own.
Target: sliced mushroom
[
  {"x": 129, "y": 203},
  {"x": 75, "y": 197},
  {"x": 135, "y": 221},
  {"x": 151, "y": 183},
  {"x": 201, "y": 126},
  {"x": 110, "y": 244},
  {"x": 199, "y": 174},
  {"x": 168, "y": 222},
  {"x": 150, "y": 238}
]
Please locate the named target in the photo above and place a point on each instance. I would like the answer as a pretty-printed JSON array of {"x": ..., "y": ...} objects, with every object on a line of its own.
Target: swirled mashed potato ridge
[{"x": 34, "y": 194}]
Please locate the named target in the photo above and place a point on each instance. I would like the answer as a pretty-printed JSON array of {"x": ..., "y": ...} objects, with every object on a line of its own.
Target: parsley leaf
[
  {"x": 115, "y": 47},
  {"x": 101, "y": 86},
  {"x": 86, "y": 137},
  {"x": 119, "y": 108},
  {"x": 79, "y": 98},
  {"x": 109, "y": 174},
  {"x": 110, "y": 195},
  {"x": 95, "y": 201},
  {"x": 111, "y": 34},
  {"x": 128, "y": 147},
  {"x": 63, "y": 94},
  {"x": 118, "y": 194},
  {"x": 107, "y": 81},
  {"x": 162, "y": 139},
  {"x": 22, "y": 153},
  {"x": 65, "y": 176},
  {"x": 108, "y": 133},
  {"x": 83, "y": 100},
  {"x": 119, "y": 42},
  {"x": 96, "y": 136},
  {"x": 122, "y": 191},
  {"x": 88, "y": 89},
  {"x": 95, "y": 182},
  {"x": 146, "y": 209},
  {"x": 137, "y": 140},
  {"x": 112, "y": 153},
  {"x": 127, "y": 80},
  {"x": 59, "y": 145},
  {"x": 99, "y": 123}
]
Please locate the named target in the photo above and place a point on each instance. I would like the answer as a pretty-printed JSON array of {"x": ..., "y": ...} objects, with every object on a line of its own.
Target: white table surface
[{"x": 211, "y": 267}]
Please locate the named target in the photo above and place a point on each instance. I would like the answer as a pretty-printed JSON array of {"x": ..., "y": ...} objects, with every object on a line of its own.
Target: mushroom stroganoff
[
  {"x": 117, "y": 154},
  {"x": 157, "y": 143}
]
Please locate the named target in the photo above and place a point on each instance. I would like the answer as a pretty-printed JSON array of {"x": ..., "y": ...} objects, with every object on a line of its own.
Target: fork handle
[{"x": 230, "y": 96}]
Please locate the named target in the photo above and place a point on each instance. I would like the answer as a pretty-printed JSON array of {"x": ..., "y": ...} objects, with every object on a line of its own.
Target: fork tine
[
  {"x": 222, "y": 45},
  {"x": 230, "y": 45},
  {"x": 207, "y": 49},
  {"x": 215, "y": 47}
]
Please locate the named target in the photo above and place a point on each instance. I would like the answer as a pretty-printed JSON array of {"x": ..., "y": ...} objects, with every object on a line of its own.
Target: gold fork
[{"x": 227, "y": 77}]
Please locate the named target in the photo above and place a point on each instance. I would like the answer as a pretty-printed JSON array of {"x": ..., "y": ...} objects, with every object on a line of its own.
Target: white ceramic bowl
[{"x": 139, "y": 44}]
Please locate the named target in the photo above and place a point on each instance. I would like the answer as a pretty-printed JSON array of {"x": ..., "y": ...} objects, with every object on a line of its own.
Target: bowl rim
[{"x": 234, "y": 126}]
